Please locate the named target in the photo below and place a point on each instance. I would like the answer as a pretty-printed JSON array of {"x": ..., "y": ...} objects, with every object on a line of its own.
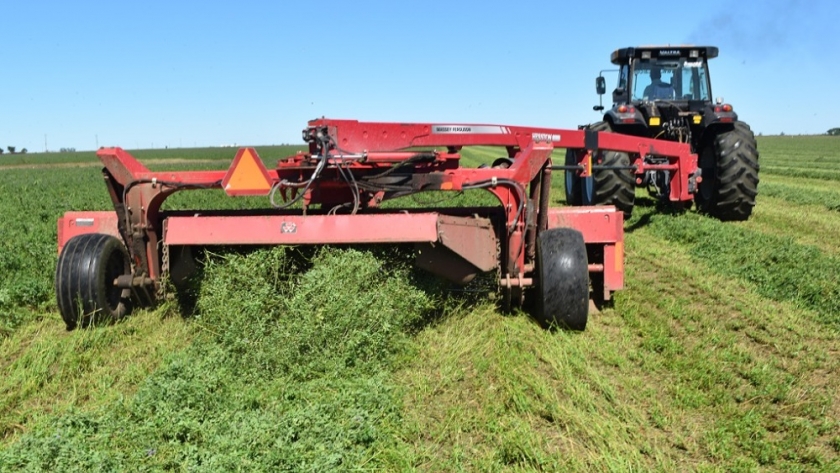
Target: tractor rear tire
[
  {"x": 729, "y": 164},
  {"x": 613, "y": 187},
  {"x": 84, "y": 280},
  {"x": 562, "y": 288},
  {"x": 573, "y": 181}
]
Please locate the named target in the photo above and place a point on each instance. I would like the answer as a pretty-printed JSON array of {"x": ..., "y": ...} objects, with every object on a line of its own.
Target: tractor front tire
[
  {"x": 84, "y": 280},
  {"x": 729, "y": 168},
  {"x": 562, "y": 288},
  {"x": 613, "y": 187}
]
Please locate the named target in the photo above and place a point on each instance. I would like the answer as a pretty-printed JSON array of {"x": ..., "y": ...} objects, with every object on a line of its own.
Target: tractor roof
[{"x": 623, "y": 55}]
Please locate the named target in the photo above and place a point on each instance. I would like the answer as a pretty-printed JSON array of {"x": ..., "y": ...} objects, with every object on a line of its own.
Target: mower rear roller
[
  {"x": 85, "y": 280},
  {"x": 562, "y": 291}
]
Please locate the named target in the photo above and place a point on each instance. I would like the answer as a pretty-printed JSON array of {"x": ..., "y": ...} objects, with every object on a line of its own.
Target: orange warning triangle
[{"x": 247, "y": 175}]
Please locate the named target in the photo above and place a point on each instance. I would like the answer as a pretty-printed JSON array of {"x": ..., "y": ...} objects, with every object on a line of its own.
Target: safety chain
[{"x": 164, "y": 273}]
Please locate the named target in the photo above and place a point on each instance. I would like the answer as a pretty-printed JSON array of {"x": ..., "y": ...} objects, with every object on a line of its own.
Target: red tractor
[
  {"x": 331, "y": 194},
  {"x": 665, "y": 92}
]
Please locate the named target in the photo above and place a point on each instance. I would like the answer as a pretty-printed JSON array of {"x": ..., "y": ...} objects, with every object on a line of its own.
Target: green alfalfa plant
[
  {"x": 348, "y": 309},
  {"x": 290, "y": 369}
]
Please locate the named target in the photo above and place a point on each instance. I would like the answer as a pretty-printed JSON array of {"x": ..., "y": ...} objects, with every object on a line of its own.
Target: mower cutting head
[{"x": 333, "y": 194}]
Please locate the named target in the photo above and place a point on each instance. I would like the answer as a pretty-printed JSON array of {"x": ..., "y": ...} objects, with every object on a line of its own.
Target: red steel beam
[
  {"x": 356, "y": 136},
  {"x": 298, "y": 230}
]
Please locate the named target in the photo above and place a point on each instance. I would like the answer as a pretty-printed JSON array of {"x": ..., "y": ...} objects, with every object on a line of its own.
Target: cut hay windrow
[
  {"x": 778, "y": 267},
  {"x": 829, "y": 199},
  {"x": 828, "y": 172}
]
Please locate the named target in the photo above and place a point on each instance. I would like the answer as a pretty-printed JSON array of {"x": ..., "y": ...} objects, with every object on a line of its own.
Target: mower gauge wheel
[
  {"x": 562, "y": 289},
  {"x": 85, "y": 280}
]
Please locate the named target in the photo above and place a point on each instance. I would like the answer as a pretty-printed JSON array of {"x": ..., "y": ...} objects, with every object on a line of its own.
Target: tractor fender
[{"x": 618, "y": 119}]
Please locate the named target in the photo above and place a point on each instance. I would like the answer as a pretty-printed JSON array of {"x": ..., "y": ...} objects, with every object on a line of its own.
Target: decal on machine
[
  {"x": 480, "y": 129},
  {"x": 545, "y": 137}
]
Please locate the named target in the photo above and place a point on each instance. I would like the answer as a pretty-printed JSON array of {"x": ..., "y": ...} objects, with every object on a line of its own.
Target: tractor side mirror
[{"x": 600, "y": 85}]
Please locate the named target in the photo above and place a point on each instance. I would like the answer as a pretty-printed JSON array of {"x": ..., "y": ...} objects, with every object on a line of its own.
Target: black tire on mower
[
  {"x": 613, "y": 187},
  {"x": 562, "y": 288},
  {"x": 84, "y": 280},
  {"x": 729, "y": 164}
]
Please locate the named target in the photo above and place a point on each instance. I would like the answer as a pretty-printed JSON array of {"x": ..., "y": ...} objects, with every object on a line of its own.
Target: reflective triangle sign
[{"x": 247, "y": 175}]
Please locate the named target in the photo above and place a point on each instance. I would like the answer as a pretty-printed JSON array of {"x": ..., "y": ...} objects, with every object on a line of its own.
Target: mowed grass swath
[{"x": 719, "y": 355}]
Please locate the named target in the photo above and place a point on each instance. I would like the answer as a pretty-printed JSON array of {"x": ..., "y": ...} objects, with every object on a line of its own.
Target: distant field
[
  {"x": 722, "y": 353},
  {"x": 268, "y": 153}
]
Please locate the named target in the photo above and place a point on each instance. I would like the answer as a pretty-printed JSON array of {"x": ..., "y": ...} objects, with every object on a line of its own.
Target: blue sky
[{"x": 182, "y": 74}]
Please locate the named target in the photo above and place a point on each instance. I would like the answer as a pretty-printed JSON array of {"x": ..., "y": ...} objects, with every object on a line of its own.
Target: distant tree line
[
  {"x": 13, "y": 150},
  {"x": 834, "y": 132}
]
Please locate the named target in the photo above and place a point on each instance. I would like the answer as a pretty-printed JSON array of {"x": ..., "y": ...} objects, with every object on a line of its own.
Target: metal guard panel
[
  {"x": 80, "y": 223},
  {"x": 470, "y": 238},
  {"x": 601, "y": 224}
]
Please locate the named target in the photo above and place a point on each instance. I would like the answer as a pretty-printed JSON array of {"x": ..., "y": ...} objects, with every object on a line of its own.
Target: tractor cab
[
  {"x": 667, "y": 73},
  {"x": 664, "y": 91}
]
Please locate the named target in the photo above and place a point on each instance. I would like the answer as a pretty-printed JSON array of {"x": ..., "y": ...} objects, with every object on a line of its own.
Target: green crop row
[{"x": 826, "y": 173}]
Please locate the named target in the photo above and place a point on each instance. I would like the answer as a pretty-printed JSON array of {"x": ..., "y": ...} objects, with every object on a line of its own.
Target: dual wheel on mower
[{"x": 85, "y": 280}]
